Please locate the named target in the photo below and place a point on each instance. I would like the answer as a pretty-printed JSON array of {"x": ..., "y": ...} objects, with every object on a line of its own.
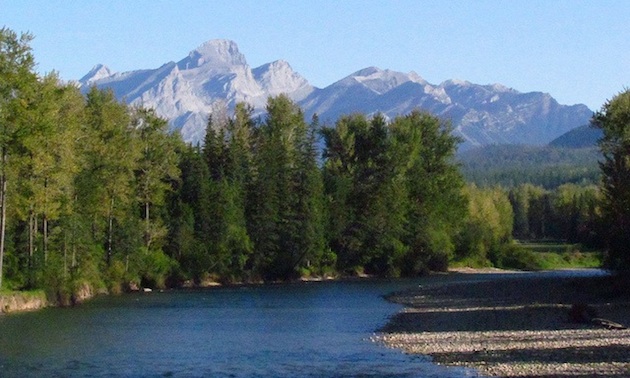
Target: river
[{"x": 316, "y": 329}]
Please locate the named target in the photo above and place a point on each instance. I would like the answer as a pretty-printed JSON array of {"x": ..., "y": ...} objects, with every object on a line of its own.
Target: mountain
[
  {"x": 480, "y": 114},
  {"x": 186, "y": 92},
  {"x": 217, "y": 72},
  {"x": 581, "y": 137}
]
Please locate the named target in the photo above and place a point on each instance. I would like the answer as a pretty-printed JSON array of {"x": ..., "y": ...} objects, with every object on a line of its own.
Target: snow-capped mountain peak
[
  {"x": 278, "y": 77},
  {"x": 381, "y": 81},
  {"x": 455, "y": 83},
  {"x": 216, "y": 52},
  {"x": 97, "y": 72}
]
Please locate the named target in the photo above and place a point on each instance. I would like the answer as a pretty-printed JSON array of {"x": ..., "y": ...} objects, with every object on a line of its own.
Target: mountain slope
[
  {"x": 217, "y": 72},
  {"x": 548, "y": 166},
  {"x": 581, "y": 137},
  {"x": 185, "y": 92}
]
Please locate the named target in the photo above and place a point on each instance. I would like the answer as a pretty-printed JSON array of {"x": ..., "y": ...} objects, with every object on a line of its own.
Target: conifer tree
[
  {"x": 279, "y": 211},
  {"x": 614, "y": 120}
]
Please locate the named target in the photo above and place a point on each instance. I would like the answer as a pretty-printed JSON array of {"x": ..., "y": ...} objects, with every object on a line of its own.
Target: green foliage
[
  {"x": 488, "y": 226},
  {"x": 614, "y": 121},
  {"x": 74, "y": 173},
  {"x": 285, "y": 198},
  {"x": 513, "y": 256},
  {"x": 558, "y": 255},
  {"x": 96, "y": 193},
  {"x": 18, "y": 83},
  {"x": 543, "y": 256},
  {"x": 515, "y": 165},
  {"x": 393, "y": 194},
  {"x": 570, "y": 212}
]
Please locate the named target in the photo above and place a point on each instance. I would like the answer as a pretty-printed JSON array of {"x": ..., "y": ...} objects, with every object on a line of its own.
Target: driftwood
[
  {"x": 586, "y": 314},
  {"x": 607, "y": 323}
]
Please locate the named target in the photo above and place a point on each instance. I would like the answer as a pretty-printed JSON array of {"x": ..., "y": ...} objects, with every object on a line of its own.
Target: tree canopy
[{"x": 614, "y": 121}]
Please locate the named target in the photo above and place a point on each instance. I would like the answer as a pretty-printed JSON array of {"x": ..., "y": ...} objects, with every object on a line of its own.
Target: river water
[{"x": 318, "y": 329}]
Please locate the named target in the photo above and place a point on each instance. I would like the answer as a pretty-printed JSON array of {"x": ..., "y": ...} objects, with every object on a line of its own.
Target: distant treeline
[{"x": 545, "y": 166}]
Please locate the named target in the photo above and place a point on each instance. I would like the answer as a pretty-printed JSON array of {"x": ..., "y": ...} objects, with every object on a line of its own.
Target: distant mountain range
[{"x": 185, "y": 93}]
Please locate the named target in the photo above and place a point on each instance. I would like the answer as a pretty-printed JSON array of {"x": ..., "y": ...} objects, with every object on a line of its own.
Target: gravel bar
[{"x": 515, "y": 326}]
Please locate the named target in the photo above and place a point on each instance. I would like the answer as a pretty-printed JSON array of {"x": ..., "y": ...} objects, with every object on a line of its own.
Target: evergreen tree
[
  {"x": 239, "y": 166},
  {"x": 194, "y": 217},
  {"x": 614, "y": 120},
  {"x": 226, "y": 152},
  {"x": 278, "y": 206}
]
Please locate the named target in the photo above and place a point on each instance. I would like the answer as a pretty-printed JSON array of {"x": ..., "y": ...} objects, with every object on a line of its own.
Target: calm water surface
[{"x": 289, "y": 330}]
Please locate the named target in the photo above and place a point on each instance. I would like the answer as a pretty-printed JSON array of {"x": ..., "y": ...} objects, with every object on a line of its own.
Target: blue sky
[{"x": 578, "y": 51}]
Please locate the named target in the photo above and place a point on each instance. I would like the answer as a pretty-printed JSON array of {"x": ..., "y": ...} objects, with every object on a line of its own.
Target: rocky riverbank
[
  {"x": 517, "y": 325},
  {"x": 22, "y": 301}
]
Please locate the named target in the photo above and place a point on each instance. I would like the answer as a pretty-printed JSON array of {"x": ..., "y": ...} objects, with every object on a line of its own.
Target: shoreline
[
  {"x": 16, "y": 301},
  {"x": 513, "y": 326}
]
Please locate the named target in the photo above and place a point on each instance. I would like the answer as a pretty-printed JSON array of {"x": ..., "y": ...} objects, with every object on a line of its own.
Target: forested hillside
[
  {"x": 546, "y": 166},
  {"x": 581, "y": 137}
]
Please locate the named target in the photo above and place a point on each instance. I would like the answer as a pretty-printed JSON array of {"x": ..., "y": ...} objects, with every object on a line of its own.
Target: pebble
[{"x": 516, "y": 328}]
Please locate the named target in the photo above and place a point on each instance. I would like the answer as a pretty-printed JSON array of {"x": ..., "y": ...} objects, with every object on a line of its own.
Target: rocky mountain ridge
[{"x": 217, "y": 72}]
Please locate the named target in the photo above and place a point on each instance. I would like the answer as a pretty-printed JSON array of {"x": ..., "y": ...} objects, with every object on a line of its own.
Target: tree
[
  {"x": 488, "y": 225},
  {"x": 48, "y": 165},
  {"x": 112, "y": 152},
  {"x": 17, "y": 81},
  {"x": 614, "y": 120},
  {"x": 158, "y": 165},
  {"x": 155, "y": 172},
  {"x": 394, "y": 195},
  {"x": 437, "y": 206},
  {"x": 281, "y": 212},
  {"x": 191, "y": 215}
]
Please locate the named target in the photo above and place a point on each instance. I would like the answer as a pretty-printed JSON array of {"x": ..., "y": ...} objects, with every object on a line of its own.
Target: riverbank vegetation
[{"x": 98, "y": 195}]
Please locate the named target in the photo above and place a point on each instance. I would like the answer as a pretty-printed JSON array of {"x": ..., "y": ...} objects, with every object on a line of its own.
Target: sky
[{"x": 577, "y": 51}]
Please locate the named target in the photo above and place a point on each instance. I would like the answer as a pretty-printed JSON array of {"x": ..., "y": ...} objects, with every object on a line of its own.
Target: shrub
[{"x": 512, "y": 256}]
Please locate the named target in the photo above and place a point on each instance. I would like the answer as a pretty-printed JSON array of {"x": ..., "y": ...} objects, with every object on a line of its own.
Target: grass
[
  {"x": 538, "y": 255},
  {"x": 559, "y": 255},
  {"x": 24, "y": 293}
]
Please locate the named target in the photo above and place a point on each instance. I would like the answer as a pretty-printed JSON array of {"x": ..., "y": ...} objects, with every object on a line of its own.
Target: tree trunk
[
  {"x": 30, "y": 247},
  {"x": 3, "y": 210},
  {"x": 147, "y": 230},
  {"x": 110, "y": 231},
  {"x": 65, "y": 255},
  {"x": 45, "y": 241},
  {"x": 45, "y": 222}
]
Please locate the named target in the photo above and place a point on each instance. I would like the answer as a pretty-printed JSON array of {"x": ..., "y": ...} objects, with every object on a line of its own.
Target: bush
[
  {"x": 512, "y": 256},
  {"x": 115, "y": 277}
]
